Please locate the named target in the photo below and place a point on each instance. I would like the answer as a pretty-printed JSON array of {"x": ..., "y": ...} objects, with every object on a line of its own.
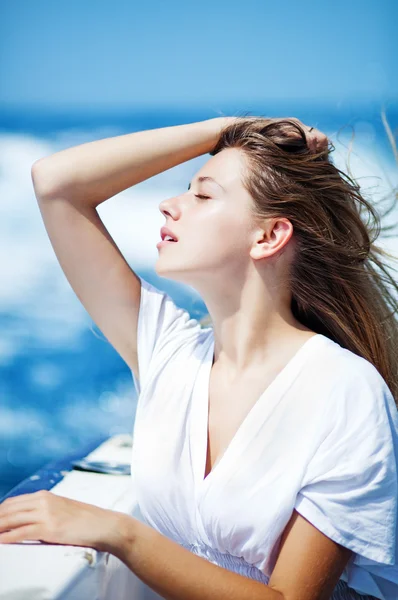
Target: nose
[
  {"x": 169, "y": 207},
  {"x": 164, "y": 208}
]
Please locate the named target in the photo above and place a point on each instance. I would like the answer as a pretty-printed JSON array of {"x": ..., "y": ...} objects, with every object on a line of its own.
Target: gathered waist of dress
[{"x": 237, "y": 564}]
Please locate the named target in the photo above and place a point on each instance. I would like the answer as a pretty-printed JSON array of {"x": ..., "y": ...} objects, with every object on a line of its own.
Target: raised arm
[
  {"x": 94, "y": 172},
  {"x": 71, "y": 183}
]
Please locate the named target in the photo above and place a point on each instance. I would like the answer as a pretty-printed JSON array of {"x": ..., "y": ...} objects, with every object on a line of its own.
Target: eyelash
[{"x": 199, "y": 195}]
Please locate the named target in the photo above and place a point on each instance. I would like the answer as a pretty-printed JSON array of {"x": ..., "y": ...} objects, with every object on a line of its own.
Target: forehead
[{"x": 226, "y": 168}]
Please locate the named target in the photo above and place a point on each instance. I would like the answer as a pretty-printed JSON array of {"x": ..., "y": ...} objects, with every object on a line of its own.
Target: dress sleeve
[
  {"x": 349, "y": 489},
  {"x": 160, "y": 322}
]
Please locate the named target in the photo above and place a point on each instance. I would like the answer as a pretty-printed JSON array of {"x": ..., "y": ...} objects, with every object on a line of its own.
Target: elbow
[
  {"x": 38, "y": 178},
  {"x": 37, "y": 168},
  {"x": 42, "y": 179},
  {"x": 34, "y": 170}
]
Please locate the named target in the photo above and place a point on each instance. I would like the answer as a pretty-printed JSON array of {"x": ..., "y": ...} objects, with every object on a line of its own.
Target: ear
[{"x": 271, "y": 238}]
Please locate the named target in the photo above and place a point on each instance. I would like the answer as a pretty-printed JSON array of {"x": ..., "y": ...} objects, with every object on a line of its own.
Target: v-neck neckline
[{"x": 201, "y": 423}]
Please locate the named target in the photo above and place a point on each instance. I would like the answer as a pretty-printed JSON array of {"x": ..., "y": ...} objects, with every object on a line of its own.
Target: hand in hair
[{"x": 316, "y": 140}]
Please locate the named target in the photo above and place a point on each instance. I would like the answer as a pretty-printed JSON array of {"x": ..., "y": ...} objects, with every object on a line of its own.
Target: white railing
[{"x": 37, "y": 571}]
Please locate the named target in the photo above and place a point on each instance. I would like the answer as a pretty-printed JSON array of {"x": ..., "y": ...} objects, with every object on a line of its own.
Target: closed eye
[{"x": 199, "y": 195}]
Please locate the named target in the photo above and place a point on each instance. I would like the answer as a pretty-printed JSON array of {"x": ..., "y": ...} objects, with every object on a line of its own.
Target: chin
[
  {"x": 166, "y": 273},
  {"x": 177, "y": 276}
]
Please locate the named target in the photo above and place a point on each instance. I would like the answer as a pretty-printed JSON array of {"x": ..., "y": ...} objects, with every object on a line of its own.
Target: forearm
[
  {"x": 175, "y": 573},
  {"x": 96, "y": 171}
]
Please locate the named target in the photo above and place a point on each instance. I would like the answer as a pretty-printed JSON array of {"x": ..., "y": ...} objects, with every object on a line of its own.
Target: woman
[{"x": 265, "y": 446}]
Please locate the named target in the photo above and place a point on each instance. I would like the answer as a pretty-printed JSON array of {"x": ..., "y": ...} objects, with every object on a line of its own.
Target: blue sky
[{"x": 121, "y": 53}]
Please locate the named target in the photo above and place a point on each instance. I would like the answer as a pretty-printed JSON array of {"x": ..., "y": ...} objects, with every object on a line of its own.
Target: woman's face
[{"x": 212, "y": 223}]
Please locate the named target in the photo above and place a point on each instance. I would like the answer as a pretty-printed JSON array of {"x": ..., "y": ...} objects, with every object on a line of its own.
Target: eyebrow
[{"x": 208, "y": 178}]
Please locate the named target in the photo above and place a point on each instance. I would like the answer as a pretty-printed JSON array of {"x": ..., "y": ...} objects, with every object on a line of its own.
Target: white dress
[{"x": 322, "y": 439}]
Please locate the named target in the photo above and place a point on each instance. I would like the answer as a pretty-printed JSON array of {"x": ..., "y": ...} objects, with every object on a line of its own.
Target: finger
[
  {"x": 316, "y": 140},
  {"x": 16, "y": 519},
  {"x": 28, "y": 532},
  {"x": 22, "y": 502},
  {"x": 311, "y": 141},
  {"x": 11, "y": 508},
  {"x": 21, "y": 499}
]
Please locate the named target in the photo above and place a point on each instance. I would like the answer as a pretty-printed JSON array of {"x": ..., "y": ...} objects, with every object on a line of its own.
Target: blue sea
[{"x": 62, "y": 385}]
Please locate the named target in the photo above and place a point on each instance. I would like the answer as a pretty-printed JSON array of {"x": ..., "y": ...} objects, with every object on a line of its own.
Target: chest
[{"x": 228, "y": 406}]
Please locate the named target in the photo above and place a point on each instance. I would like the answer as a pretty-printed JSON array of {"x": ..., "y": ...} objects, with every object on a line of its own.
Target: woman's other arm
[
  {"x": 175, "y": 573},
  {"x": 308, "y": 566}
]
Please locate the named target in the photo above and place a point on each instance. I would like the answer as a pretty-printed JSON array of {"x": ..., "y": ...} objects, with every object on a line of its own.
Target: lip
[
  {"x": 166, "y": 231},
  {"x": 164, "y": 243}
]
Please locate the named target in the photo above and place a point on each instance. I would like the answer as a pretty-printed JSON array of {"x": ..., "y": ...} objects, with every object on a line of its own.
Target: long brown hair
[{"x": 339, "y": 283}]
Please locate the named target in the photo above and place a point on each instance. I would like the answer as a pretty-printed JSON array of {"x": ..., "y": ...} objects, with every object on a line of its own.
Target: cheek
[
  {"x": 233, "y": 233},
  {"x": 226, "y": 240},
  {"x": 219, "y": 232}
]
